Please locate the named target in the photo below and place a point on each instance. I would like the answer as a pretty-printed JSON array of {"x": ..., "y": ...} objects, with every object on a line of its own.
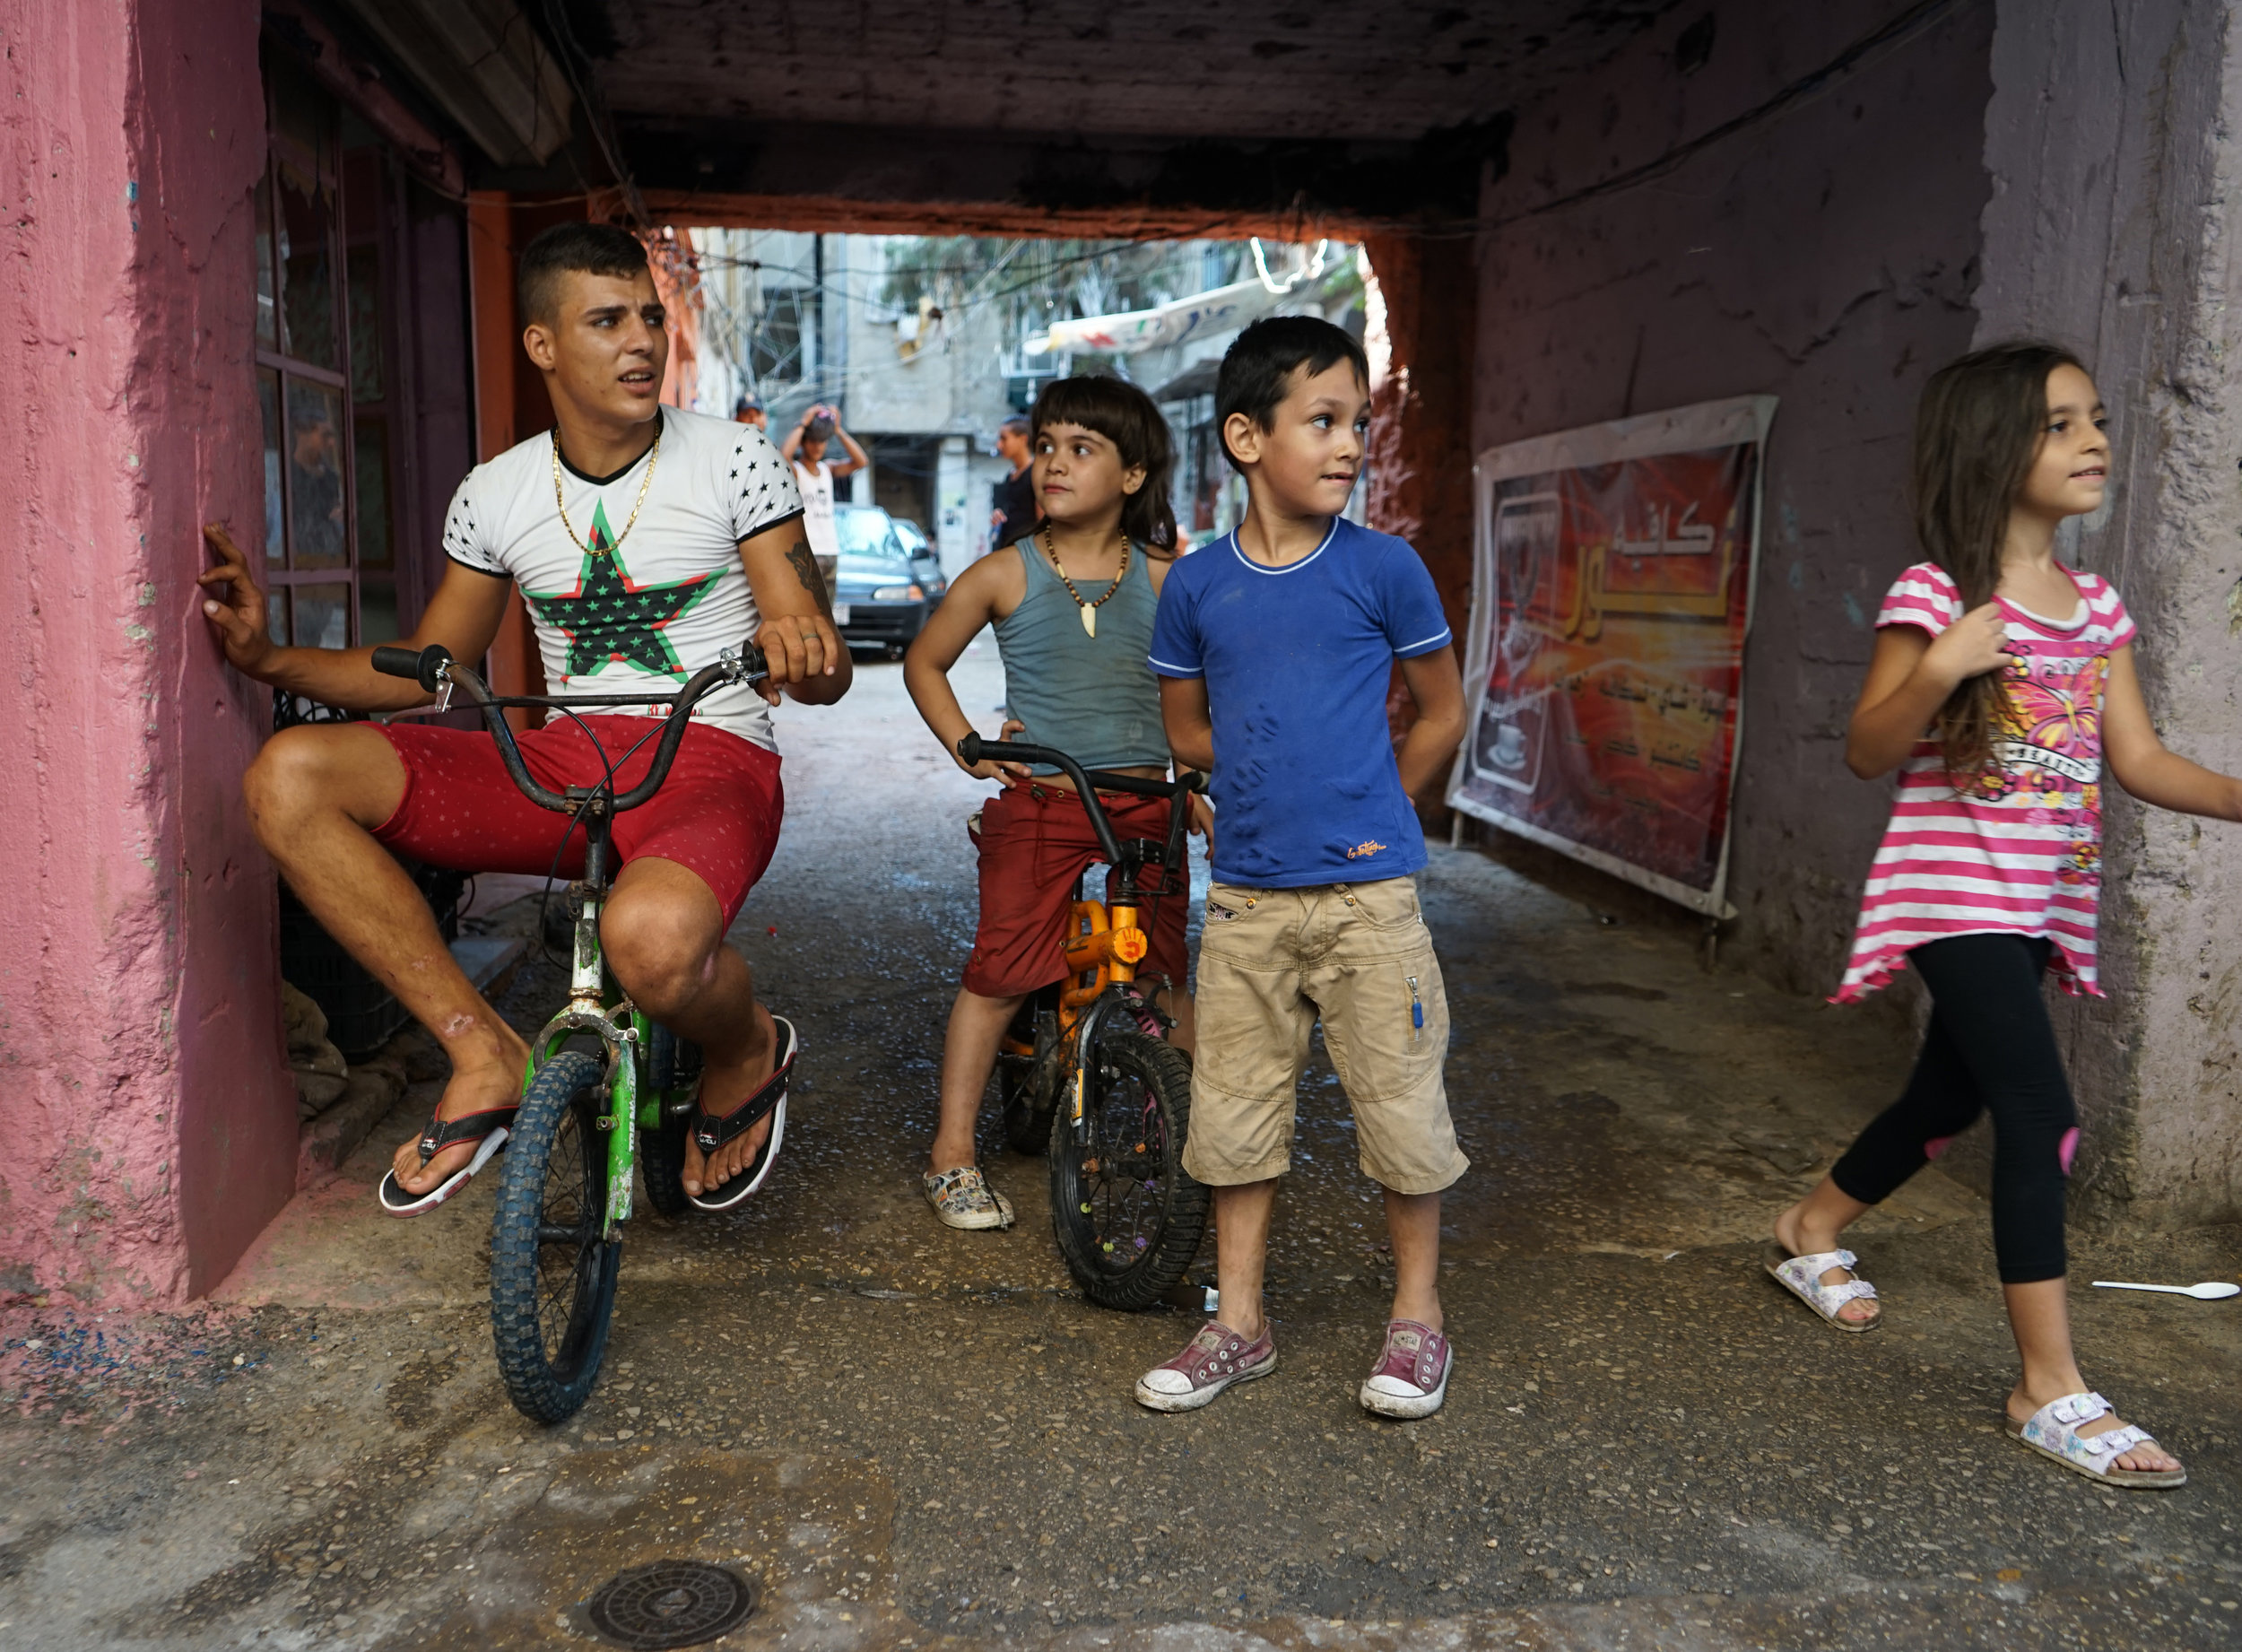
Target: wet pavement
[{"x": 907, "y": 1436}]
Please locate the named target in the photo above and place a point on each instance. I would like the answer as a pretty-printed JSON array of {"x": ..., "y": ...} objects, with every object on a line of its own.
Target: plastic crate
[{"x": 362, "y": 1014}]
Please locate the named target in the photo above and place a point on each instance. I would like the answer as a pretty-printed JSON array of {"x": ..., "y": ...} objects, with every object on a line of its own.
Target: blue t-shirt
[{"x": 1297, "y": 661}]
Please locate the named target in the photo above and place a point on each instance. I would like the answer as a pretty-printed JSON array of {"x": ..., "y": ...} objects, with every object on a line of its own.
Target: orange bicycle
[{"x": 1085, "y": 1072}]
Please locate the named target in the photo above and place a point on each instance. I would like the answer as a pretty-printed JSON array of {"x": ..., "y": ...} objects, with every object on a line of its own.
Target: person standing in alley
[
  {"x": 1275, "y": 644},
  {"x": 2001, "y": 682},
  {"x": 1013, "y": 500},
  {"x": 804, "y": 448},
  {"x": 749, "y": 410}
]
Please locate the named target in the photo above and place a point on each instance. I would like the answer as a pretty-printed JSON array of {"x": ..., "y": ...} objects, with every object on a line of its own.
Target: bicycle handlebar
[
  {"x": 973, "y": 748},
  {"x": 433, "y": 668}
]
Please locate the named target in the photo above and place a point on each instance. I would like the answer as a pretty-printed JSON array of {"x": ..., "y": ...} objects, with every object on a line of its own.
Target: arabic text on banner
[{"x": 1613, "y": 595}]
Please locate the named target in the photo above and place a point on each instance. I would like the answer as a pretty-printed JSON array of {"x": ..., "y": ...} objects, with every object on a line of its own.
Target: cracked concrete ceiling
[
  {"x": 1082, "y": 106},
  {"x": 1260, "y": 69}
]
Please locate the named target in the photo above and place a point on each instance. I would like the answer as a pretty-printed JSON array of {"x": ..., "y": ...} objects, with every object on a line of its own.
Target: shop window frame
[{"x": 323, "y": 166}]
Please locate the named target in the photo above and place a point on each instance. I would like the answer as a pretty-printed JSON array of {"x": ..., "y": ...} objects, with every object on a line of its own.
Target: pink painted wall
[{"x": 150, "y": 1123}]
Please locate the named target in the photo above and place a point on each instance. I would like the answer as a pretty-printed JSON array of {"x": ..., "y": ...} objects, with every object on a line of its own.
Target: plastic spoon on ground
[{"x": 2209, "y": 1290}]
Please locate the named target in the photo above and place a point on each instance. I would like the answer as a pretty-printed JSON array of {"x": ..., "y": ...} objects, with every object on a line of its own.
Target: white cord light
[{"x": 1308, "y": 272}]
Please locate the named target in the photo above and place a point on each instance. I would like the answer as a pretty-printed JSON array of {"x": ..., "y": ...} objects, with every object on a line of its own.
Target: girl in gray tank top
[{"x": 1072, "y": 602}]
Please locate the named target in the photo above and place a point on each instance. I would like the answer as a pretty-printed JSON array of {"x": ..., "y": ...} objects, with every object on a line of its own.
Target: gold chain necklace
[
  {"x": 561, "y": 504},
  {"x": 1088, "y": 611}
]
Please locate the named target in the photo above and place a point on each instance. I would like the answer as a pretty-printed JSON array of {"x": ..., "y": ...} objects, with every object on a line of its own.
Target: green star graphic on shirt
[{"x": 608, "y": 618}]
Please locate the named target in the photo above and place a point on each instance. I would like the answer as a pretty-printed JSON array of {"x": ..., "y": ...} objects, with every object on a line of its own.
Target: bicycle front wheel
[
  {"x": 553, "y": 1274},
  {"x": 673, "y": 1071},
  {"x": 1127, "y": 1216}
]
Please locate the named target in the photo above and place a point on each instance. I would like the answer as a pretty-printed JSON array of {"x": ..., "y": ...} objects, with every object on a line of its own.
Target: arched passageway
[{"x": 1576, "y": 214}]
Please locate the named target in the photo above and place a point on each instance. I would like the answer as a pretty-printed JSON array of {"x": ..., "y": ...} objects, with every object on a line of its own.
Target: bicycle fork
[{"x": 617, "y": 1026}]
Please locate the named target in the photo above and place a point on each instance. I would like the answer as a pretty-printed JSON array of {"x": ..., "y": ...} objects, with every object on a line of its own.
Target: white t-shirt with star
[{"x": 666, "y": 600}]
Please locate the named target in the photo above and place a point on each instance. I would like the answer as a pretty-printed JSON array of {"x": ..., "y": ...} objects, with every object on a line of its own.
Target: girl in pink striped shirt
[{"x": 2001, "y": 684}]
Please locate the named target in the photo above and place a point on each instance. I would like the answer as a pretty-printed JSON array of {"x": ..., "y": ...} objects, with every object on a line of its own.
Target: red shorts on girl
[
  {"x": 718, "y": 814},
  {"x": 1036, "y": 842}
]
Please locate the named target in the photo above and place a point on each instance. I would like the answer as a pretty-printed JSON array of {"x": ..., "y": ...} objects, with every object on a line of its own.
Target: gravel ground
[{"x": 906, "y": 1435}]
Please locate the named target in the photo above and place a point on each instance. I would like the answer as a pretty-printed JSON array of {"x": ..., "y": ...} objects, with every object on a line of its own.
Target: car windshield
[
  {"x": 865, "y": 531},
  {"x": 913, "y": 536},
  {"x": 874, "y": 567}
]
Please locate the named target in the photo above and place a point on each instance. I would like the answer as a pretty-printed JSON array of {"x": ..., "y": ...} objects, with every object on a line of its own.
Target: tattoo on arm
[{"x": 805, "y": 569}]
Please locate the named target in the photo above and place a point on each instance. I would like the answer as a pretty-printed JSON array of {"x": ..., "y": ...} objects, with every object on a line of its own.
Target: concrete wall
[
  {"x": 2112, "y": 139},
  {"x": 1825, "y": 252},
  {"x": 149, "y": 1123}
]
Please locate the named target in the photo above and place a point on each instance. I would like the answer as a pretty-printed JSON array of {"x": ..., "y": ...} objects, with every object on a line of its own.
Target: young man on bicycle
[
  {"x": 1072, "y": 603},
  {"x": 646, "y": 541}
]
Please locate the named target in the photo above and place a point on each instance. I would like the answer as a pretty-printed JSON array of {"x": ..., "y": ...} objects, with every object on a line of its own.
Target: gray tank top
[{"x": 1093, "y": 697}]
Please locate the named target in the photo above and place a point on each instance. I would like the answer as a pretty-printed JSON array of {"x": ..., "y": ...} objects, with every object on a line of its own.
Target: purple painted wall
[
  {"x": 1826, "y": 253},
  {"x": 150, "y": 1124},
  {"x": 2112, "y": 139}
]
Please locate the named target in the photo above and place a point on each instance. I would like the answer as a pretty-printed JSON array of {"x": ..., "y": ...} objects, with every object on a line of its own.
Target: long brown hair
[
  {"x": 1127, "y": 418},
  {"x": 1978, "y": 432}
]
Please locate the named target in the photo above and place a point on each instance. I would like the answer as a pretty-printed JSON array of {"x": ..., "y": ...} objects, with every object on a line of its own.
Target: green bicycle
[{"x": 607, "y": 1092}]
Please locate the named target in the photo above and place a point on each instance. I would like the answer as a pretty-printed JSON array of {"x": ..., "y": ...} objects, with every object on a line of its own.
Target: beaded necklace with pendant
[{"x": 1088, "y": 611}]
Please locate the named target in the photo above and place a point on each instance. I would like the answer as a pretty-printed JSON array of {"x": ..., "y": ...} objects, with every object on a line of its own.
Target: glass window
[
  {"x": 370, "y": 436},
  {"x": 316, "y": 530},
  {"x": 866, "y": 530},
  {"x": 306, "y": 234},
  {"x": 268, "y": 399},
  {"x": 267, "y": 317},
  {"x": 323, "y": 369},
  {"x": 364, "y": 285},
  {"x": 323, "y": 616},
  {"x": 276, "y": 614}
]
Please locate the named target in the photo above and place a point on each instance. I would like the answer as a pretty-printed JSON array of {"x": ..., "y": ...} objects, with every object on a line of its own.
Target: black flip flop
[
  {"x": 710, "y": 1133},
  {"x": 491, "y": 1127}
]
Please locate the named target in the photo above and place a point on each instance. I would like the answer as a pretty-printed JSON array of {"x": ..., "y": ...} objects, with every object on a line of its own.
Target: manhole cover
[{"x": 669, "y": 1604}]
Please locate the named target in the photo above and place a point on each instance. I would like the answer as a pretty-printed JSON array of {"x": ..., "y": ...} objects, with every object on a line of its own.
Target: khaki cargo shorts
[{"x": 1271, "y": 963}]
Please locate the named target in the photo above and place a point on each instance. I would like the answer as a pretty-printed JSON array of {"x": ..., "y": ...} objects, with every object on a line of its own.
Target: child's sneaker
[
  {"x": 1216, "y": 1357},
  {"x": 963, "y": 1198},
  {"x": 1411, "y": 1375}
]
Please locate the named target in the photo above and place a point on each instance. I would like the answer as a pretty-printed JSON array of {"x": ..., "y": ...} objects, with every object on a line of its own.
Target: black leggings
[{"x": 1991, "y": 1048}]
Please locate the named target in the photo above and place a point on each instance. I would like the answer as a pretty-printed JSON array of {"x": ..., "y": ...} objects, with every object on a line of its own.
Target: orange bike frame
[{"x": 1098, "y": 953}]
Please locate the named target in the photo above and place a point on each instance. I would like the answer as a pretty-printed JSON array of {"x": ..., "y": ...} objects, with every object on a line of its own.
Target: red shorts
[
  {"x": 1036, "y": 841},
  {"x": 717, "y": 813}
]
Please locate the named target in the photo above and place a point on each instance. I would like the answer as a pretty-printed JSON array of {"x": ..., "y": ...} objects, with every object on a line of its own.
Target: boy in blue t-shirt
[{"x": 1274, "y": 645}]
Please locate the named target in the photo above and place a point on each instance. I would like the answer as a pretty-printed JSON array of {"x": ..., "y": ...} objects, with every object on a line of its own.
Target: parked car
[
  {"x": 878, "y": 601},
  {"x": 925, "y": 562}
]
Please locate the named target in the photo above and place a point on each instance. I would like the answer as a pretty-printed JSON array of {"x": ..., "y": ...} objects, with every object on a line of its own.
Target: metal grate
[{"x": 669, "y": 1604}]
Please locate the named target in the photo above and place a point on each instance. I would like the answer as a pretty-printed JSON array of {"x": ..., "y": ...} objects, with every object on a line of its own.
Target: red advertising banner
[{"x": 1611, "y": 601}]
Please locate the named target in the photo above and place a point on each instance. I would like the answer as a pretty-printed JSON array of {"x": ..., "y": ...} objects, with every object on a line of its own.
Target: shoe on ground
[
  {"x": 1411, "y": 1378},
  {"x": 963, "y": 1198},
  {"x": 1215, "y": 1358}
]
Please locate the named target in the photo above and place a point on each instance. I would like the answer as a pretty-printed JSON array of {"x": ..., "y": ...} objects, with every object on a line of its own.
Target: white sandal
[
  {"x": 1801, "y": 1277},
  {"x": 2054, "y": 1432}
]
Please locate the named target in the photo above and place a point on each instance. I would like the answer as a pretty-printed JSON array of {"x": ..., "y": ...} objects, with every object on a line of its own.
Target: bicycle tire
[
  {"x": 1127, "y": 1240},
  {"x": 1027, "y": 1125},
  {"x": 1024, "y": 1082},
  {"x": 673, "y": 1064},
  {"x": 553, "y": 1275}
]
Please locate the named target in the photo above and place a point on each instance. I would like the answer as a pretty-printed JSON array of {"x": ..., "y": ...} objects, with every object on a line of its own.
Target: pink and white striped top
[{"x": 2020, "y": 849}]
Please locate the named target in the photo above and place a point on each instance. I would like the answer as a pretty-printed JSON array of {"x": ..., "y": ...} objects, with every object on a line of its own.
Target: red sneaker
[
  {"x": 1216, "y": 1357},
  {"x": 1411, "y": 1375}
]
